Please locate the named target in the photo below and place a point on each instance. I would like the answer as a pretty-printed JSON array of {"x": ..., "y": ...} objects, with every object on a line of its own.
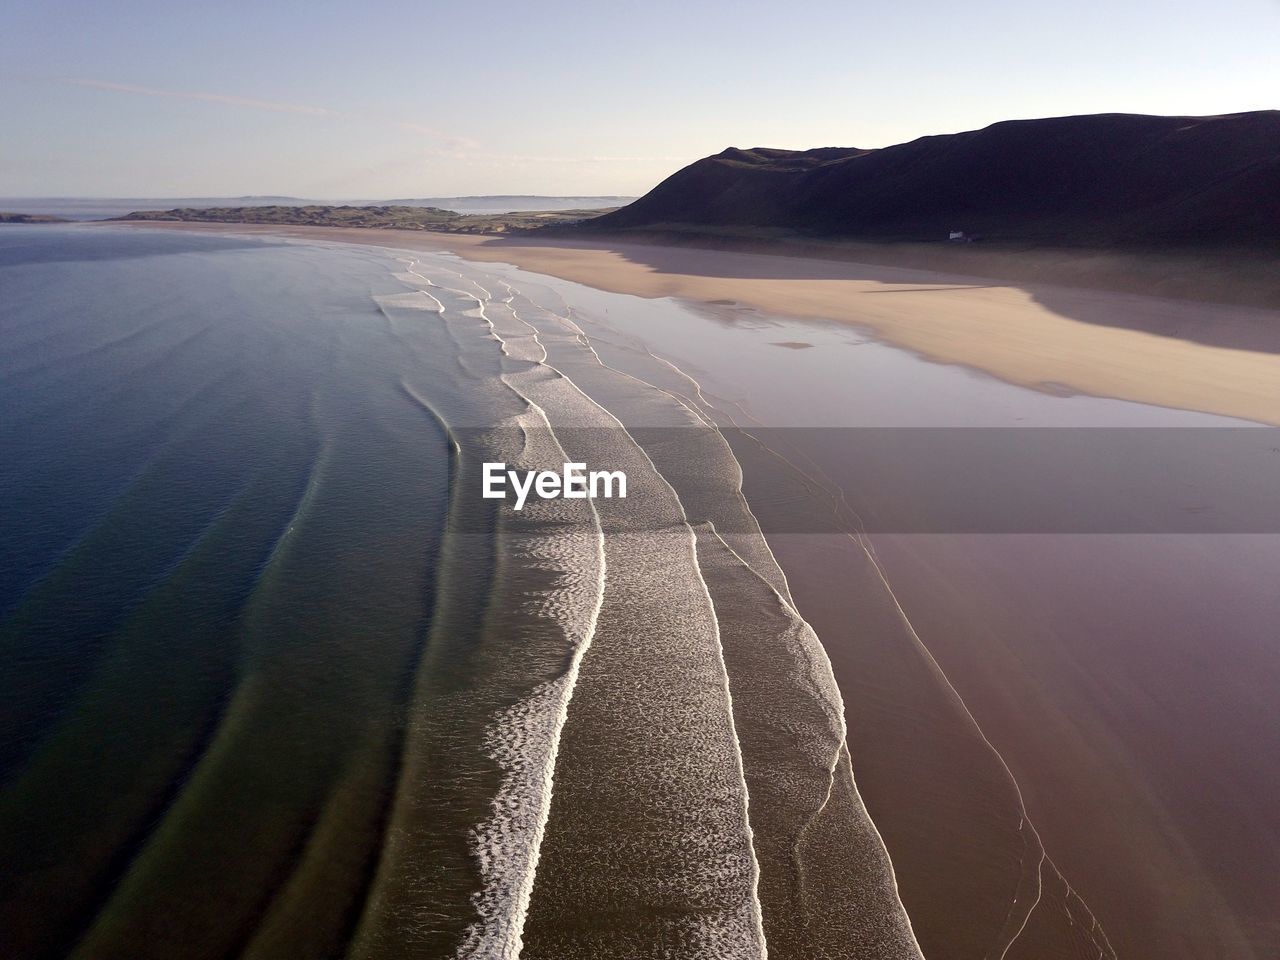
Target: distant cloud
[
  {"x": 206, "y": 97},
  {"x": 521, "y": 159},
  {"x": 454, "y": 141}
]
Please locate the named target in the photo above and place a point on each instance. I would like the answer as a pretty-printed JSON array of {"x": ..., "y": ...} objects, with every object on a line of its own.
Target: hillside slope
[{"x": 1104, "y": 179}]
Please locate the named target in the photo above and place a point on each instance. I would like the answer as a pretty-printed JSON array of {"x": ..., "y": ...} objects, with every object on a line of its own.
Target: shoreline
[
  {"x": 1085, "y": 667},
  {"x": 1189, "y": 355}
]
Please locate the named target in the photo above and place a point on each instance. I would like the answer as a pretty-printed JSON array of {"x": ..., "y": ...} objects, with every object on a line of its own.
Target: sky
[{"x": 381, "y": 100}]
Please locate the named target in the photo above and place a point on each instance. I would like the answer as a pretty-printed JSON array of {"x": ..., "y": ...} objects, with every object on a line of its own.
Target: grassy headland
[
  {"x": 29, "y": 218},
  {"x": 381, "y": 217}
]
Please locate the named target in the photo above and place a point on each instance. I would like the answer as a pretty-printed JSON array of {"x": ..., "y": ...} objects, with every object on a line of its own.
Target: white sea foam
[
  {"x": 735, "y": 930},
  {"x": 525, "y": 739},
  {"x": 811, "y": 666},
  {"x": 695, "y": 401},
  {"x": 418, "y": 300}
]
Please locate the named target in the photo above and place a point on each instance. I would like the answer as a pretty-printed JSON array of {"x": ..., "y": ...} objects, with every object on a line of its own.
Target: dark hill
[{"x": 1106, "y": 179}]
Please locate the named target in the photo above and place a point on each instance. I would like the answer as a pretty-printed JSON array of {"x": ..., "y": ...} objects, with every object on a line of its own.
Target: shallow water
[{"x": 278, "y": 682}]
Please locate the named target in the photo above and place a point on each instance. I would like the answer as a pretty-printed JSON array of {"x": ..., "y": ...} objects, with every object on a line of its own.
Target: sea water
[{"x": 277, "y": 680}]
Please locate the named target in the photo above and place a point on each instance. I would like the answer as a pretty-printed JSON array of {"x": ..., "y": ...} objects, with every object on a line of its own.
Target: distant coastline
[
  {"x": 76, "y": 208},
  {"x": 29, "y": 218},
  {"x": 387, "y": 217}
]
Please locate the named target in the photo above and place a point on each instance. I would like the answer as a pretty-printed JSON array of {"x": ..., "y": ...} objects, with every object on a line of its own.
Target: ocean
[{"x": 277, "y": 681}]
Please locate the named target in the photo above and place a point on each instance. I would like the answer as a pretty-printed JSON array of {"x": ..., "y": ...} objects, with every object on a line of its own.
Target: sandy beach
[
  {"x": 1127, "y": 683},
  {"x": 1190, "y": 355}
]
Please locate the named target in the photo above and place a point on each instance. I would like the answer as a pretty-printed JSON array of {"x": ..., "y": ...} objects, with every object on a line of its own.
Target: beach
[
  {"x": 1051, "y": 731},
  {"x": 1001, "y": 764},
  {"x": 1188, "y": 355},
  {"x": 1027, "y": 713}
]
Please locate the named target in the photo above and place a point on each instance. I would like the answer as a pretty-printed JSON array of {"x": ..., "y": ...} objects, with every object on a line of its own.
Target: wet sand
[{"x": 1129, "y": 683}]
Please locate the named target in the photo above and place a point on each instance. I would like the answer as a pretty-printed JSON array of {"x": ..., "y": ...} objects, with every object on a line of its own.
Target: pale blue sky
[{"x": 394, "y": 99}]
